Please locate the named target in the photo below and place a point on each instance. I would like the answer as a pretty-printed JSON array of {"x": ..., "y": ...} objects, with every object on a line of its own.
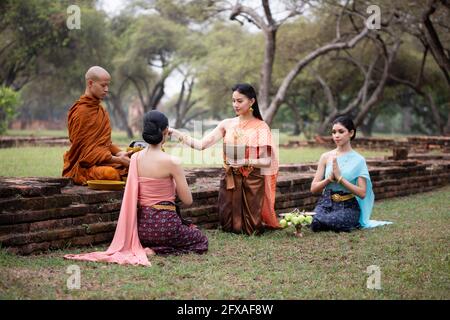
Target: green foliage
[
  {"x": 9, "y": 100},
  {"x": 233, "y": 56},
  {"x": 153, "y": 40}
]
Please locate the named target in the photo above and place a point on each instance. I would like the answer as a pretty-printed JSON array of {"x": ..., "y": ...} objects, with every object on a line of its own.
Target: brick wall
[
  {"x": 38, "y": 214},
  {"x": 419, "y": 144}
]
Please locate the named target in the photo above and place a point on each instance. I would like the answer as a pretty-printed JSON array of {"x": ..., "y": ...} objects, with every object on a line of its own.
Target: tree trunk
[
  {"x": 298, "y": 121},
  {"x": 406, "y": 120},
  {"x": 121, "y": 116},
  {"x": 378, "y": 92},
  {"x": 265, "y": 82},
  {"x": 432, "y": 38},
  {"x": 282, "y": 90},
  {"x": 447, "y": 127}
]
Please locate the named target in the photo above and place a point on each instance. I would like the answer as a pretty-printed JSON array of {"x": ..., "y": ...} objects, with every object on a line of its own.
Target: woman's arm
[
  {"x": 359, "y": 189},
  {"x": 319, "y": 183},
  {"x": 207, "y": 141},
  {"x": 264, "y": 159},
  {"x": 183, "y": 191}
]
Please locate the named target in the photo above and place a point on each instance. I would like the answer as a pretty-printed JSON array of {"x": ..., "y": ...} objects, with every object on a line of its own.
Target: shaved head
[
  {"x": 97, "y": 82},
  {"x": 96, "y": 73}
]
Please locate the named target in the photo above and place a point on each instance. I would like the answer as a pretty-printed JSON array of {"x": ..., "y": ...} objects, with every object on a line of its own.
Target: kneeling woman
[
  {"x": 148, "y": 216},
  {"x": 343, "y": 178}
]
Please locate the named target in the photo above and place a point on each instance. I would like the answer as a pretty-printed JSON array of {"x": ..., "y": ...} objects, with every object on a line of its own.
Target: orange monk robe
[{"x": 91, "y": 150}]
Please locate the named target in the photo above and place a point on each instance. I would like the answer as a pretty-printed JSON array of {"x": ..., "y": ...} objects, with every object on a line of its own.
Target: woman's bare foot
[{"x": 149, "y": 252}]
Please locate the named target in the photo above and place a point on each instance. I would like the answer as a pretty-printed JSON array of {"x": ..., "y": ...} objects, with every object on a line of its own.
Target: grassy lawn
[
  {"x": 413, "y": 256},
  {"x": 48, "y": 161}
]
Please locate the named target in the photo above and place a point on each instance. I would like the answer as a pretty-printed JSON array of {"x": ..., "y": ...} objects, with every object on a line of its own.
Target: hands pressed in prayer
[{"x": 336, "y": 170}]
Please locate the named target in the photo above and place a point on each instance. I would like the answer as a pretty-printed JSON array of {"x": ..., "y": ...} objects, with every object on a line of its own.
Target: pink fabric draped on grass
[{"x": 126, "y": 247}]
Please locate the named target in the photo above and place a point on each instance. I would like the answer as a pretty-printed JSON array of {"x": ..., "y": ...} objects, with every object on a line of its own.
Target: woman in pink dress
[{"x": 148, "y": 221}]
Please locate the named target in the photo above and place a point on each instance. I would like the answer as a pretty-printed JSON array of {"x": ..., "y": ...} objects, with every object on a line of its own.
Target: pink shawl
[{"x": 125, "y": 247}]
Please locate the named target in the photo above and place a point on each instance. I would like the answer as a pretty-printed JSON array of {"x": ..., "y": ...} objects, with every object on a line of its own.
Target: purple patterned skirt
[
  {"x": 335, "y": 216},
  {"x": 163, "y": 232}
]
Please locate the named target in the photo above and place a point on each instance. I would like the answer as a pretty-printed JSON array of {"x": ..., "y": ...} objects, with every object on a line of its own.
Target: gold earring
[
  {"x": 251, "y": 109},
  {"x": 162, "y": 148}
]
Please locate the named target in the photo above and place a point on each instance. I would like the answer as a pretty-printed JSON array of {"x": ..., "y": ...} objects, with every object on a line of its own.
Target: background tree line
[{"x": 309, "y": 60}]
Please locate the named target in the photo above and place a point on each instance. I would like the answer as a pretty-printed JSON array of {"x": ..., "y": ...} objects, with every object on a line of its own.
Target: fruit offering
[{"x": 297, "y": 219}]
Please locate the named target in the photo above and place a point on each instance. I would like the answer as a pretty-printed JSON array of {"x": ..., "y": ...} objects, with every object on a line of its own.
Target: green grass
[
  {"x": 412, "y": 253},
  {"x": 119, "y": 137},
  {"x": 48, "y": 161},
  {"x": 36, "y": 133}
]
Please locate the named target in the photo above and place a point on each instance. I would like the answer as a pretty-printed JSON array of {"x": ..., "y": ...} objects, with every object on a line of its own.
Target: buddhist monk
[{"x": 92, "y": 156}]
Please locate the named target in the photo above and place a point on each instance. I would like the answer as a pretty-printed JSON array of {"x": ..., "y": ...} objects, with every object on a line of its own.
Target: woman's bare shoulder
[
  {"x": 326, "y": 155},
  {"x": 228, "y": 122}
]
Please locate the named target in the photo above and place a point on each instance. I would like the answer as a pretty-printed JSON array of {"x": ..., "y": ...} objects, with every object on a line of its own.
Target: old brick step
[
  {"x": 31, "y": 186},
  {"x": 56, "y": 234},
  {"x": 404, "y": 192},
  {"x": 57, "y": 201},
  {"x": 72, "y": 210},
  {"x": 296, "y": 202},
  {"x": 205, "y": 194},
  {"x": 301, "y": 194},
  {"x": 198, "y": 211},
  {"x": 210, "y": 217},
  {"x": 382, "y": 171},
  {"x": 58, "y": 223},
  {"x": 87, "y": 195},
  {"x": 408, "y": 182},
  {"x": 302, "y": 179},
  {"x": 86, "y": 240}
]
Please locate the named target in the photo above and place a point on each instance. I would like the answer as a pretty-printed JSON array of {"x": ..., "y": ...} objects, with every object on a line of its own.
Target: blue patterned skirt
[
  {"x": 163, "y": 231},
  {"x": 335, "y": 216}
]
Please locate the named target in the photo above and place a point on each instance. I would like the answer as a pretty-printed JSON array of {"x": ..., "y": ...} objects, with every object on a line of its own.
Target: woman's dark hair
[
  {"x": 248, "y": 91},
  {"x": 347, "y": 122},
  {"x": 154, "y": 124}
]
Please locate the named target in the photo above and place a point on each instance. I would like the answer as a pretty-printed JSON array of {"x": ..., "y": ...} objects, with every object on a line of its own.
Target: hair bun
[
  {"x": 152, "y": 134},
  {"x": 155, "y": 123}
]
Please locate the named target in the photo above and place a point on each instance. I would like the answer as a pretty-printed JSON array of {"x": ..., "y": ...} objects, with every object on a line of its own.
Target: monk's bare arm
[
  {"x": 207, "y": 141},
  {"x": 114, "y": 149},
  {"x": 122, "y": 158}
]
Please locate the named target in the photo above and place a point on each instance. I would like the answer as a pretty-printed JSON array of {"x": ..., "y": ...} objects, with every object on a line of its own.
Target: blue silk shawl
[{"x": 352, "y": 165}]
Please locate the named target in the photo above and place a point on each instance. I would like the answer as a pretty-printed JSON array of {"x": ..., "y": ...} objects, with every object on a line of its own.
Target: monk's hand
[
  {"x": 124, "y": 158},
  {"x": 124, "y": 153}
]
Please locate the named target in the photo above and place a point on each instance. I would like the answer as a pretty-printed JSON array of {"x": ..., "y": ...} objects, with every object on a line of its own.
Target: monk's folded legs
[{"x": 103, "y": 173}]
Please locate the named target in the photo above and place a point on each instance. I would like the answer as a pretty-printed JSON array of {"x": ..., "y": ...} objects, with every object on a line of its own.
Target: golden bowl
[
  {"x": 105, "y": 184},
  {"x": 134, "y": 149}
]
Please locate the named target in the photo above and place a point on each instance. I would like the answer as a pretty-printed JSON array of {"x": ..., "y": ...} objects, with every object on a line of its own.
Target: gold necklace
[{"x": 239, "y": 129}]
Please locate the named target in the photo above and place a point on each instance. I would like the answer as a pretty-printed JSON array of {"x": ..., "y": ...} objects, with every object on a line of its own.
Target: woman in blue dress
[{"x": 343, "y": 178}]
